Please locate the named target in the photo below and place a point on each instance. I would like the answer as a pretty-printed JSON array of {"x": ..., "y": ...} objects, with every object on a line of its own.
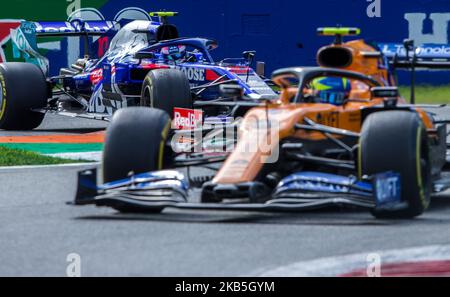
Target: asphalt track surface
[
  {"x": 54, "y": 124},
  {"x": 38, "y": 231}
]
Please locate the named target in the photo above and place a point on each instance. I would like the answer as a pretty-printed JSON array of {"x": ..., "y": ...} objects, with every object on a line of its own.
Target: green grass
[
  {"x": 17, "y": 157},
  {"x": 428, "y": 94},
  {"x": 54, "y": 148}
]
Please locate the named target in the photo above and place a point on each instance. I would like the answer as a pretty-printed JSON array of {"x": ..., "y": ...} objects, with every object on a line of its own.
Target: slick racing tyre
[
  {"x": 23, "y": 87},
  {"x": 166, "y": 89},
  {"x": 397, "y": 141},
  {"x": 135, "y": 142}
]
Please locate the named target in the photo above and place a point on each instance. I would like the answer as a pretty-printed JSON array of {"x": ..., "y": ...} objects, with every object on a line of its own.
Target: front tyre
[
  {"x": 135, "y": 142},
  {"x": 397, "y": 141}
]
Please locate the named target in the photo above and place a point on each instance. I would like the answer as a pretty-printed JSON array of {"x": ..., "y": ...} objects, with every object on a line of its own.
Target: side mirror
[
  {"x": 261, "y": 69},
  {"x": 144, "y": 55},
  {"x": 390, "y": 94},
  {"x": 231, "y": 91},
  {"x": 385, "y": 92},
  {"x": 249, "y": 55}
]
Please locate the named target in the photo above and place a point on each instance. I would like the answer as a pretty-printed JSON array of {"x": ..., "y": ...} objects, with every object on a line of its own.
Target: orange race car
[{"x": 338, "y": 134}]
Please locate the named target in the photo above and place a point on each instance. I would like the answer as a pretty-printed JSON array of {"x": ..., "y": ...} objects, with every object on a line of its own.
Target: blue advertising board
[{"x": 283, "y": 32}]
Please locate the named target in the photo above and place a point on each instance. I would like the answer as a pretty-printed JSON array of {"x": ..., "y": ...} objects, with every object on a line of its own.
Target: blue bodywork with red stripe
[{"x": 105, "y": 83}]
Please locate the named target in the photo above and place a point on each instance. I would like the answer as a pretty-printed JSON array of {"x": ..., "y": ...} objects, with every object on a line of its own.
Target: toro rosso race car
[
  {"x": 145, "y": 65},
  {"x": 337, "y": 135}
]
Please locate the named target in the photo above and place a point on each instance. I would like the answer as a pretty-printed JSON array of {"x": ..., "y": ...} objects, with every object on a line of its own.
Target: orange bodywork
[
  {"x": 365, "y": 60},
  {"x": 255, "y": 146}
]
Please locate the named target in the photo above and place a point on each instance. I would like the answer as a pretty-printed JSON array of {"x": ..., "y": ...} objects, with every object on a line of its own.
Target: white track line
[
  {"x": 334, "y": 266},
  {"x": 87, "y": 156},
  {"x": 7, "y": 168}
]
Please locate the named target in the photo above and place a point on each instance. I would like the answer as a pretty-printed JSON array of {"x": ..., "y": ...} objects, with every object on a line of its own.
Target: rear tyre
[
  {"x": 23, "y": 87},
  {"x": 397, "y": 141},
  {"x": 135, "y": 142},
  {"x": 166, "y": 89}
]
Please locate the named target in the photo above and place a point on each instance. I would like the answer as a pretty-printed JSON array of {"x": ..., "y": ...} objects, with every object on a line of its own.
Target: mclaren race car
[
  {"x": 309, "y": 148},
  {"x": 339, "y": 134},
  {"x": 147, "y": 64}
]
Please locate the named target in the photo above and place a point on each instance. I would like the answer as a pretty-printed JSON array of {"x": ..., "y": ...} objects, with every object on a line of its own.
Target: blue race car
[{"x": 147, "y": 64}]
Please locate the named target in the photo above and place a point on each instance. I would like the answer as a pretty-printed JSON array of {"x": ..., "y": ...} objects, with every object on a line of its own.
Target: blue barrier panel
[{"x": 283, "y": 32}]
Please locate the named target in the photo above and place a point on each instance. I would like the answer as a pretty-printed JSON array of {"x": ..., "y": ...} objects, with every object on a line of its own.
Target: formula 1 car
[
  {"x": 333, "y": 137},
  {"x": 145, "y": 65},
  {"x": 295, "y": 153}
]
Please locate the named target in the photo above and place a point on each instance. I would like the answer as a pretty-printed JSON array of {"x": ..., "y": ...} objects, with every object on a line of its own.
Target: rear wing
[
  {"x": 74, "y": 28},
  {"x": 24, "y": 38},
  {"x": 407, "y": 56}
]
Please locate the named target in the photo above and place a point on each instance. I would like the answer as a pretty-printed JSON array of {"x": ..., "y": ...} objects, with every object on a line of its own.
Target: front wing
[{"x": 299, "y": 192}]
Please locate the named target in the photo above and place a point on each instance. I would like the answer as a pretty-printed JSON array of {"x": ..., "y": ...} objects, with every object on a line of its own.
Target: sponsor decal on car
[
  {"x": 193, "y": 74},
  {"x": 430, "y": 51},
  {"x": 96, "y": 76},
  {"x": 240, "y": 69},
  {"x": 184, "y": 118},
  {"x": 387, "y": 188}
]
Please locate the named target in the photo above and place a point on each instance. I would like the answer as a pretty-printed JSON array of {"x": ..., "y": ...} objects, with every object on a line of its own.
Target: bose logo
[{"x": 193, "y": 74}]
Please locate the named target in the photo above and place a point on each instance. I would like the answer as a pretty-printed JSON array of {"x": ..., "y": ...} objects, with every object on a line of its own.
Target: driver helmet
[
  {"x": 174, "y": 52},
  {"x": 332, "y": 90}
]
